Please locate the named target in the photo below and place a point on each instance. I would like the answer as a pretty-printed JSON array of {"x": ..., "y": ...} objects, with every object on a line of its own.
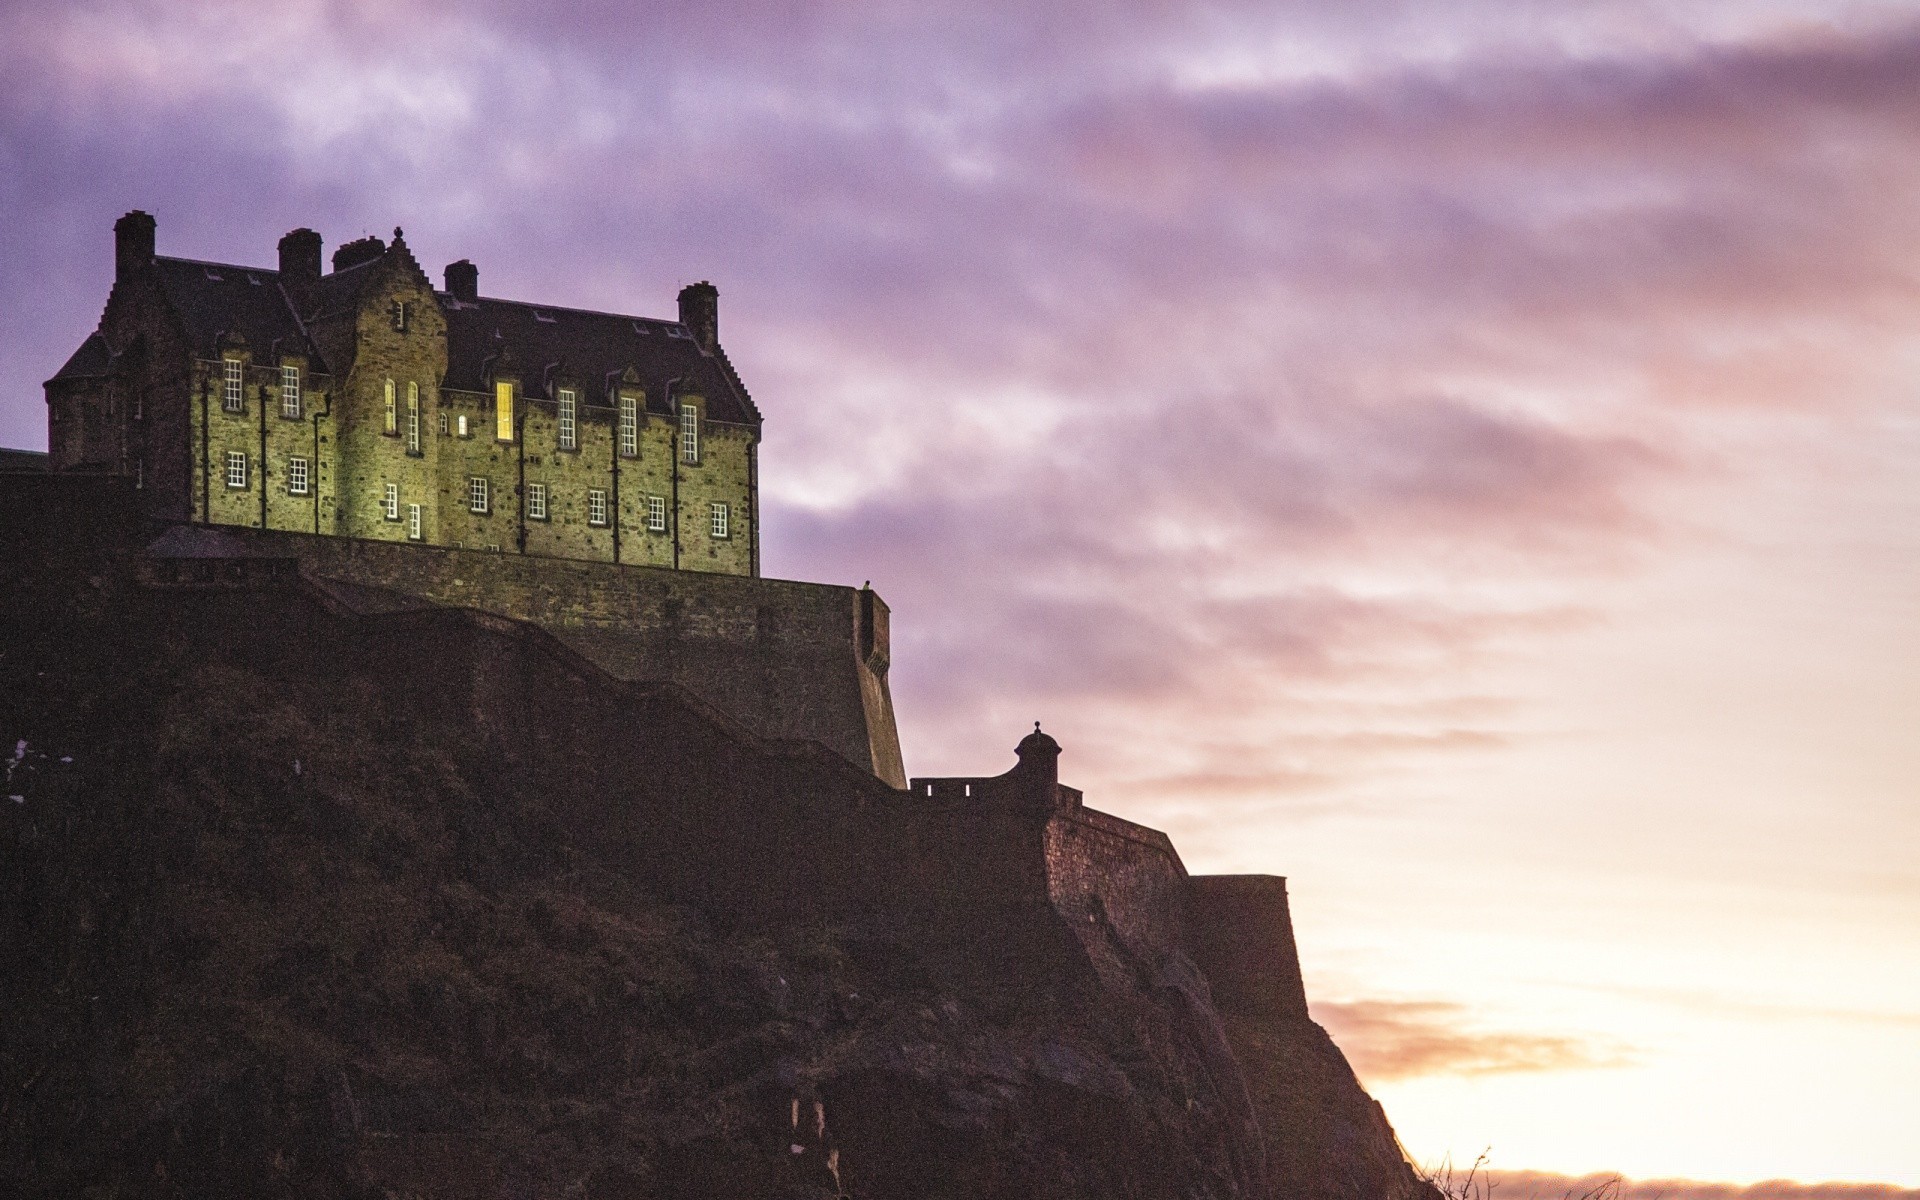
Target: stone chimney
[
  {"x": 360, "y": 250},
  {"x": 463, "y": 281},
  {"x": 300, "y": 257},
  {"x": 700, "y": 313},
  {"x": 132, "y": 244}
]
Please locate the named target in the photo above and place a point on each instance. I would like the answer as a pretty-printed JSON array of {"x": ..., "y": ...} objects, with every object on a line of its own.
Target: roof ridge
[
  {"x": 562, "y": 308},
  {"x": 202, "y": 262}
]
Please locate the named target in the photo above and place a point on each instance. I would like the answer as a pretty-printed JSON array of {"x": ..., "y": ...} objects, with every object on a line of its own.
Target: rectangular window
[
  {"x": 290, "y": 392},
  {"x": 629, "y": 426},
  {"x": 296, "y": 476},
  {"x": 413, "y": 522},
  {"x": 596, "y": 506},
  {"x": 461, "y": 423},
  {"x": 232, "y": 394},
  {"x": 477, "y": 494},
  {"x": 720, "y": 515},
  {"x": 689, "y": 433},
  {"x": 236, "y": 469},
  {"x": 657, "y": 514},
  {"x": 393, "y": 414},
  {"x": 390, "y": 502},
  {"x": 503, "y": 411},
  {"x": 537, "y": 501},
  {"x": 413, "y": 418},
  {"x": 569, "y": 420}
]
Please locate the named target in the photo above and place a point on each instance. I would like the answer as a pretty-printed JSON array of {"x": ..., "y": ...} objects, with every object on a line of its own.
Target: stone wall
[
  {"x": 1242, "y": 936},
  {"x": 786, "y": 659},
  {"x": 1120, "y": 886}
]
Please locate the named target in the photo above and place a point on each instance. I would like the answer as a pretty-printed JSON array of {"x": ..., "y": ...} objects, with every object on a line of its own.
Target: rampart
[{"x": 788, "y": 660}]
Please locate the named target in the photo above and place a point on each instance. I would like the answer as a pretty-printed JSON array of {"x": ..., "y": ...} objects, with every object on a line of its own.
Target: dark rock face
[{"x": 300, "y": 902}]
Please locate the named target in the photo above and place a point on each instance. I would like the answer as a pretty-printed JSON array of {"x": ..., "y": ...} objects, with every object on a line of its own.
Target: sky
[{"x": 1460, "y": 457}]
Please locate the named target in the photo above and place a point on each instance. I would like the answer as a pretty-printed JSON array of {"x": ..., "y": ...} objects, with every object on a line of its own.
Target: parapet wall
[{"x": 788, "y": 660}]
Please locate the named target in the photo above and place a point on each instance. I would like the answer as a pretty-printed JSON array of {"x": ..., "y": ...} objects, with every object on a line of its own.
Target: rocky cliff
[{"x": 306, "y": 893}]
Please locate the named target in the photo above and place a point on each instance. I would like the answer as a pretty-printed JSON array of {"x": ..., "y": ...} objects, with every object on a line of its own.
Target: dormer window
[
  {"x": 233, "y": 396},
  {"x": 569, "y": 419}
]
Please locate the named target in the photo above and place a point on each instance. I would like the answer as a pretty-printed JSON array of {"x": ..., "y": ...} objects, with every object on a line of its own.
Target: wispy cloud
[{"x": 1389, "y": 1040}]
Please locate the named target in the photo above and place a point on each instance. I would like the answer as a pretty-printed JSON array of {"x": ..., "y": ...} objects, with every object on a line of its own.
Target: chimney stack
[
  {"x": 300, "y": 257},
  {"x": 359, "y": 250},
  {"x": 700, "y": 313},
  {"x": 132, "y": 244},
  {"x": 463, "y": 281}
]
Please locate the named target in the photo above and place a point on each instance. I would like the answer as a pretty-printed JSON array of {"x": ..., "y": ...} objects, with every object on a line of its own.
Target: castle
[
  {"x": 539, "y": 526},
  {"x": 363, "y": 403}
]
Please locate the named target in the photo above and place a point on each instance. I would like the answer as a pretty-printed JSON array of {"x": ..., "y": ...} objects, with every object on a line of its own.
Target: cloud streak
[{"x": 1392, "y": 1040}]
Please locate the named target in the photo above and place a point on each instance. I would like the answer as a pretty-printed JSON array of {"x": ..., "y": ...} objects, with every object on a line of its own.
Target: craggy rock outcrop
[{"x": 301, "y": 898}]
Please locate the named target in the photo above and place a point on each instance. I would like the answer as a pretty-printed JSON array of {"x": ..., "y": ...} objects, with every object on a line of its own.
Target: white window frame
[
  {"x": 689, "y": 433},
  {"x": 413, "y": 418},
  {"x": 720, "y": 519},
  {"x": 390, "y": 501},
  {"x": 413, "y": 523},
  {"x": 297, "y": 476},
  {"x": 596, "y": 506},
  {"x": 478, "y": 494},
  {"x": 290, "y": 392},
  {"x": 393, "y": 409},
  {"x": 536, "y": 501},
  {"x": 629, "y": 426},
  {"x": 233, "y": 385},
  {"x": 237, "y": 469},
  {"x": 656, "y": 514},
  {"x": 569, "y": 404}
]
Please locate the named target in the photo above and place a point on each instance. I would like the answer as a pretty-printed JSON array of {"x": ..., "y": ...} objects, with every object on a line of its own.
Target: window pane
[{"x": 503, "y": 411}]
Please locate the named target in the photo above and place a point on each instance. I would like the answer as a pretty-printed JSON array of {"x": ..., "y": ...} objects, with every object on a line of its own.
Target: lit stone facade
[{"x": 363, "y": 402}]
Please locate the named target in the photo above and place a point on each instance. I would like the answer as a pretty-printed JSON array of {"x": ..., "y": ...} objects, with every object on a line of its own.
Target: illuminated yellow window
[
  {"x": 503, "y": 411},
  {"x": 393, "y": 416}
]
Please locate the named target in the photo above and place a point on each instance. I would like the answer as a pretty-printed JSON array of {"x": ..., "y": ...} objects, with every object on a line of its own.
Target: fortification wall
[
  {"x": 787, "y": 660},
  {"x": 782, "y": 657},
  {"x": 1111, "y": 878},
  {"x": 1241, "y": 936}
]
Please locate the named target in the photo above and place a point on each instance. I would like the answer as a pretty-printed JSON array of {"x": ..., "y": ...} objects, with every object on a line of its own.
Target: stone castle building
[{"x": 362, "y": 402}]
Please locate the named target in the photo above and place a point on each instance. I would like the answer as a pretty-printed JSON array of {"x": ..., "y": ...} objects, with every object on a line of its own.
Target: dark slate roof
[
  {"x": 213, "y": 299},
  {"x": 219, "y": 298},
  {"x": 92, "y": 360},
  {"x": 590, "y": 347}
]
